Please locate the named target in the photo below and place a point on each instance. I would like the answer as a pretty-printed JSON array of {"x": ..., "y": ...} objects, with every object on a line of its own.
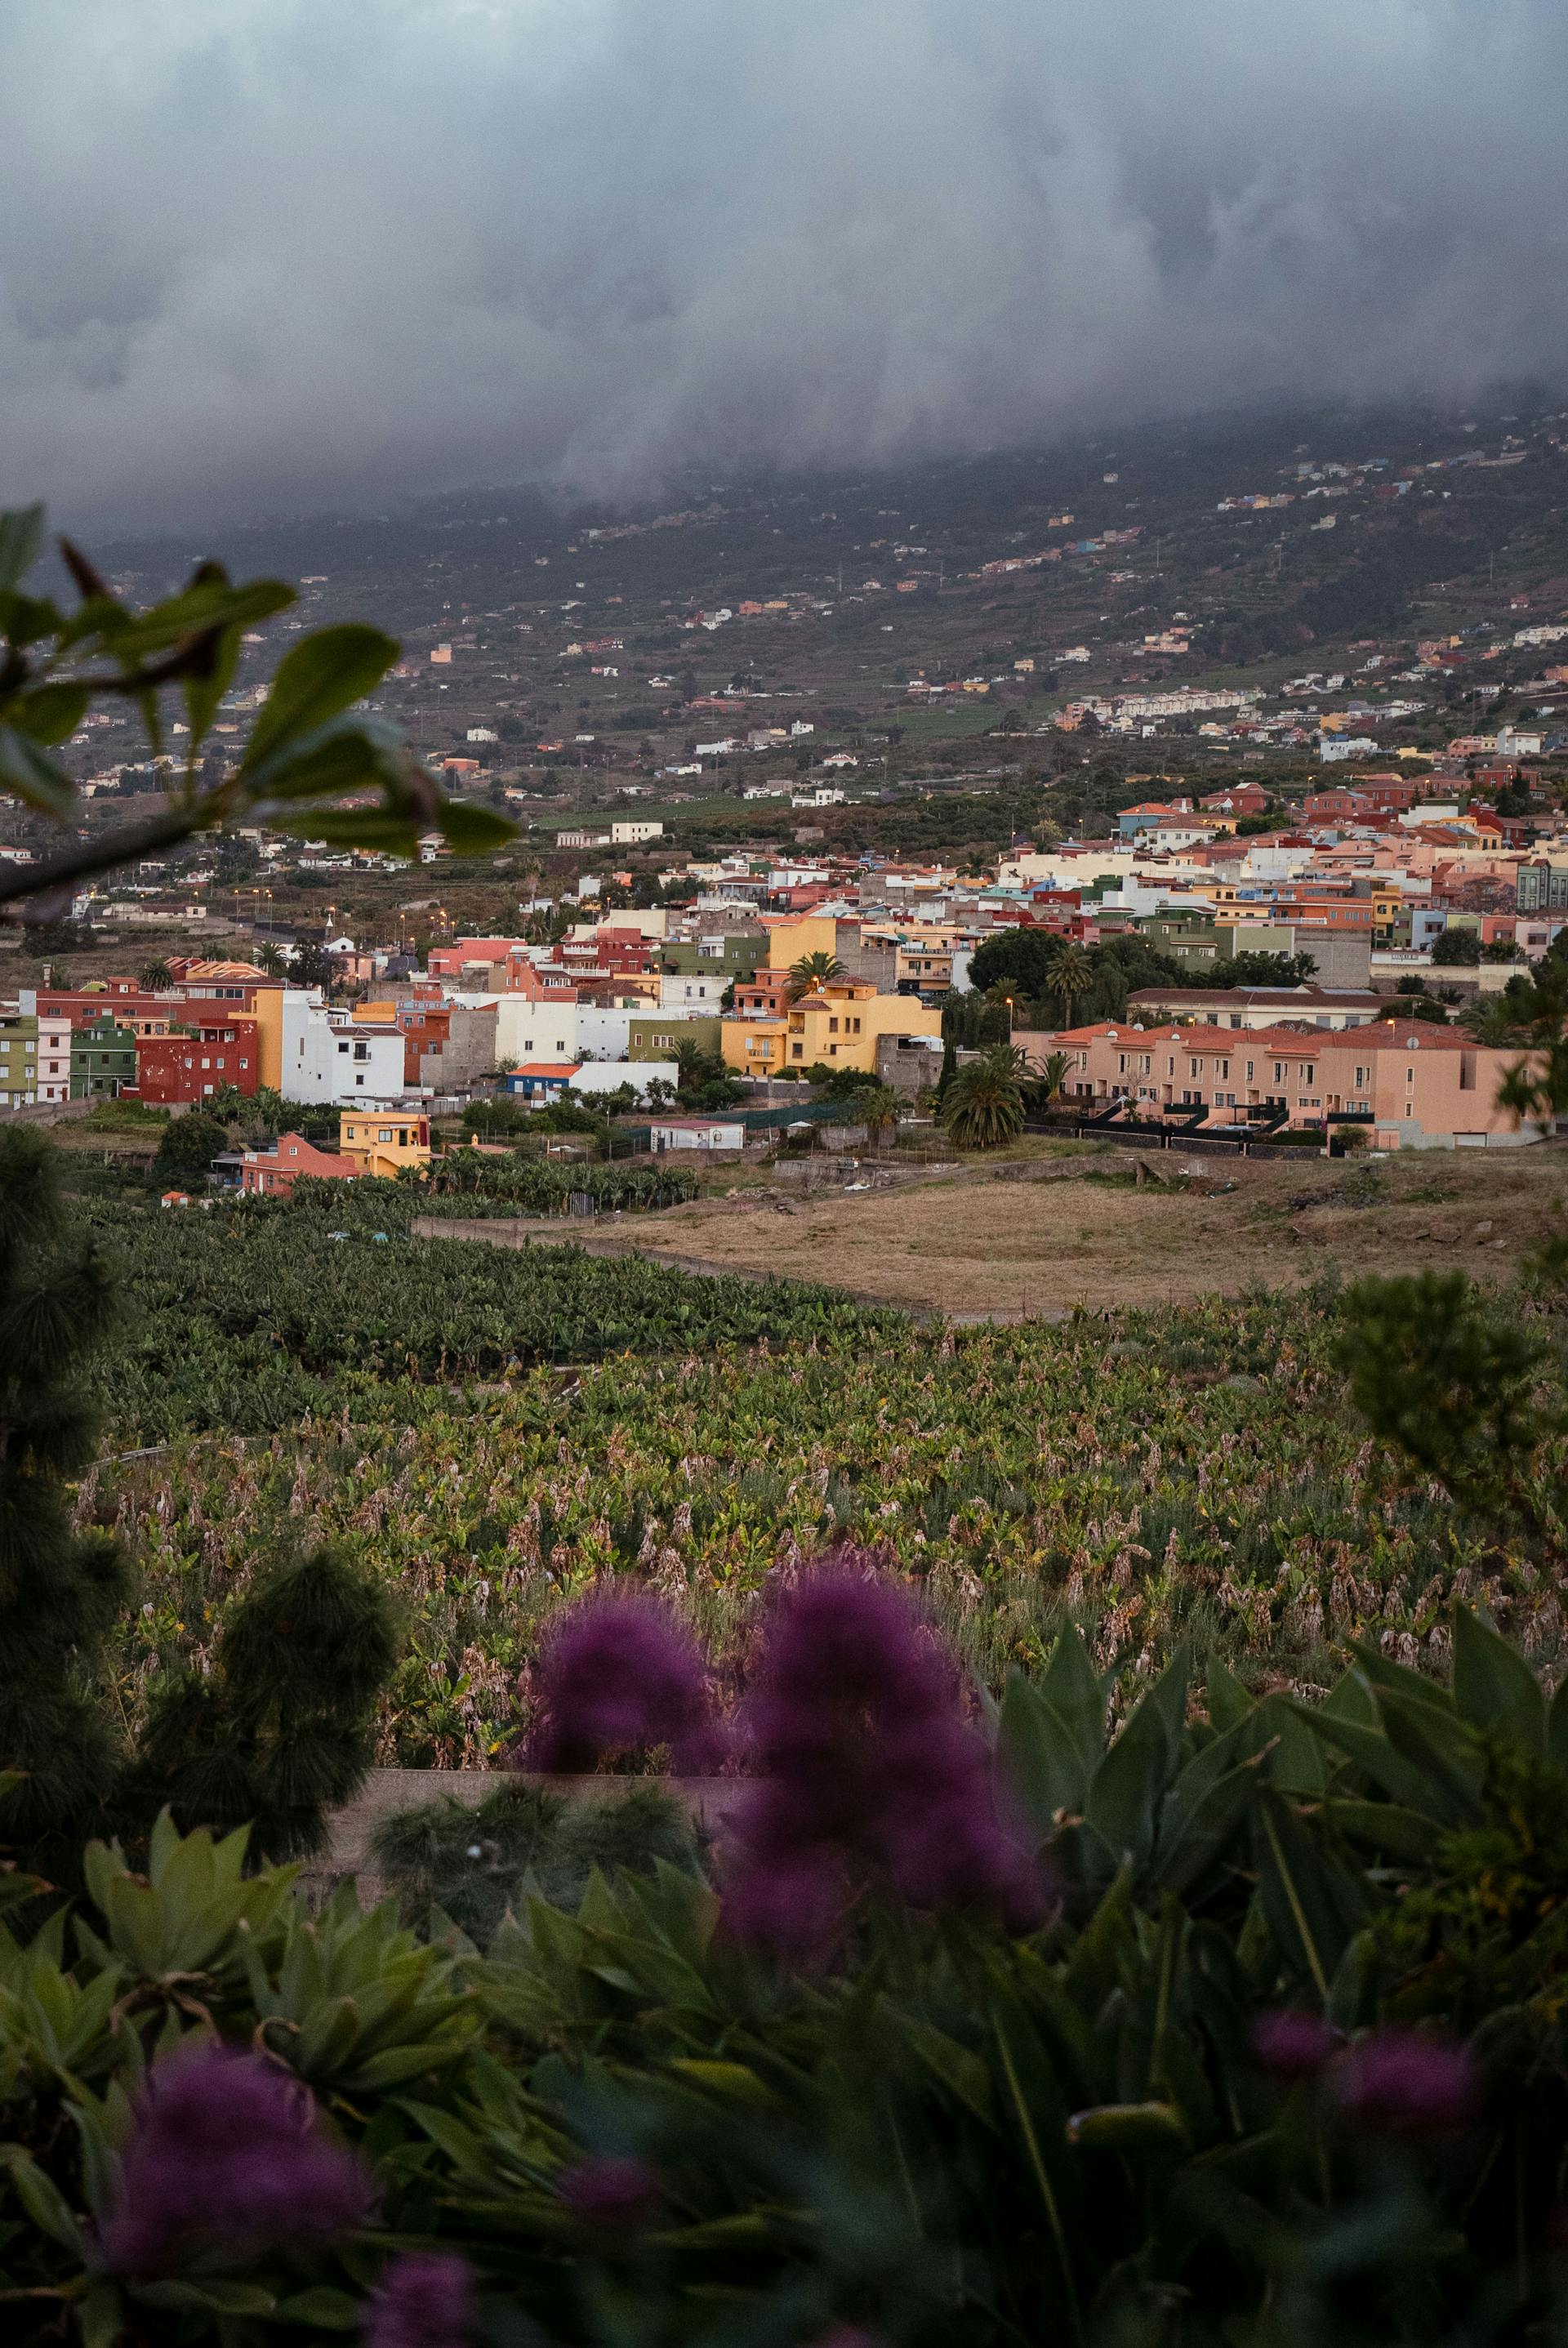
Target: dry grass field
[{"x": 991, "y": 1240}]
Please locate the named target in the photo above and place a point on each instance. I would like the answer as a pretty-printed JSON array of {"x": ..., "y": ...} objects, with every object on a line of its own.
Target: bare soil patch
[{"x": 975, "y": 1243}]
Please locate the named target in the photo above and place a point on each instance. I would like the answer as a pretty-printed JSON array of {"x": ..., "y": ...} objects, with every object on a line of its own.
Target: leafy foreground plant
[
  {"x": 307, "y": 754},
  {"x": 1219, "y": 2090},
  {"x": 1215, "y": 2088}
]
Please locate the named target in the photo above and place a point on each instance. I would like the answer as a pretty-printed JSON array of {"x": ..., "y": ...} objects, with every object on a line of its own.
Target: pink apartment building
[{"x": 1414, "y": 1085}]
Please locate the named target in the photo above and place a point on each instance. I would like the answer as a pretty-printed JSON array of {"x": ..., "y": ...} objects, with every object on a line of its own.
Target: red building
[
  {"x": 273, "y": 1172},
  {"x": 189, "y": 1063}
]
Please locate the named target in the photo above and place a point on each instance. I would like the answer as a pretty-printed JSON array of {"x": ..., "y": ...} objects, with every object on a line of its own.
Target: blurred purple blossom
[
  {"x": 620, "y": 1675},
  {"x": 425, "y": 2300},
  {"x": 1408, "y": 2083},
  {"x": 1294, "y": 2045},
  {"x": 614, "y": 2190},
  {"x": 229, "y": 2153},
  {"x": 864, "y": 1766}
]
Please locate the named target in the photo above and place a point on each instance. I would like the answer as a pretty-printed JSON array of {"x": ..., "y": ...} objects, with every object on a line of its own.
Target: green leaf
[
  {"x": 1128, "y": 2127},
  {"x": 100, "y": 2316},
  {"x": 962, "y": 2072},
  {"x": 216, "y": 2296},
  {"x": 202, "y": 693},
  {"x": 27, "y": 619},
  {"x": 347, "y": 754},
  {"x": 356, "y": 827},
  {"x": 1070, "y": 1685},
  {"x": 30, "y": 777},
  {"x": 1494, "y": 1687},
  {"x": 1037, "y": 1757},
  {"x": 1123, "y": 1803},
  {"x": 1444, "y": 1750},
  {"x": 133, "y": 637},
  {"x": 1389, "y": 1830},
  {"x": 328, "y": 2310},
  {"x": 21, "y": 539},
  {"x": 42, "y": 2198},
  {"x": 52, "y": 713},
  {"x": 1229, "y": 1701},
  {"x": 322, "y": 676},
  {"x": 1312, "y": 1909},
  {"x": 473, "y": 831}
]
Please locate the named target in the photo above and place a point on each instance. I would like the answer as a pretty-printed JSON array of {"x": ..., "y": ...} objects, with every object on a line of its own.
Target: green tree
[
  {"x": 982, "y": 1107},
  {"x": 1455, "y": 949},
  {"x": 188, "y": 1145},
  {"x": 155, "y": 973},
  {"x": 60, "y": 1594}
]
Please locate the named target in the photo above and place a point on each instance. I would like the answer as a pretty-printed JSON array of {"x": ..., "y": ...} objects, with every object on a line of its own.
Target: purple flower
[
  {"x": 1408, "y": 2083},
  {"x": 619, "y": 1675},
  {"x": 1294, "y": 2045},
  {"x": 865, "y": 1767},
  {"x": 229, "y": 2154},
  {"x": 614, "y": 2190},
  {"x": 425, "y": 2300}
]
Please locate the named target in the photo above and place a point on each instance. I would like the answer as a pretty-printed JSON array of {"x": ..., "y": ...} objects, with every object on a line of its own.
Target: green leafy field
[{"x": 1195, "y": 1471}]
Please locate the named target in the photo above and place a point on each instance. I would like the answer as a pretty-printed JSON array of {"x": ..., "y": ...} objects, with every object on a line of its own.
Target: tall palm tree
[
  {"x": 984, "y": 1104},
  {"x": 813, "y": 970},
  {"x": 1072, "y": 976}
]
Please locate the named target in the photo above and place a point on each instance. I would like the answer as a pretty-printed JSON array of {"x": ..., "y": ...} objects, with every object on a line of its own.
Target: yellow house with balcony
[
  {"x": 837, "y": 1026},
  {"x": 384, "y": 1141}
]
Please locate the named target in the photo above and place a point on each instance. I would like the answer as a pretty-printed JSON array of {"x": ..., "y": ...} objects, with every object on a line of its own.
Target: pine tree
[{"x": 60, "y": 1594}]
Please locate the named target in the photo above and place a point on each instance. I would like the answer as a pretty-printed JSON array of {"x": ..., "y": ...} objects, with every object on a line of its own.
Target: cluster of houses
[{"x": 785, "y": 966}]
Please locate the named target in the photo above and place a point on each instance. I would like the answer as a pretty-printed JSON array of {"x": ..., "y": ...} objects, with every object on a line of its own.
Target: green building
[
  {"x": 18, "y": 1059},
  {"x": 1193, "y": 940},
  {"x": 103, "y": 1061},
  {"x": 658, "y": 1035},
  {"x": 734, "y": 955}
]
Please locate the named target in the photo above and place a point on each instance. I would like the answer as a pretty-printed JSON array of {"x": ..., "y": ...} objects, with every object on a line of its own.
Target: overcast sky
[{"x": 274, "y": 254}]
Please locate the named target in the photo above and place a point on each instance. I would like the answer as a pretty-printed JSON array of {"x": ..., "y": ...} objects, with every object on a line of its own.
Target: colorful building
[
  {"x": 383, "y": 1141},
  {"x": 193, "y": 1061},
  {"x": 836, "y": 1026},
  {"x": 273, "y": 1173},
  {"x": 103, "y": 1059}
]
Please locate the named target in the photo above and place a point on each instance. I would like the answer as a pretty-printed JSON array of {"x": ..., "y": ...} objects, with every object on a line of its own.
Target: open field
[{"x": 979, "y": 1242}]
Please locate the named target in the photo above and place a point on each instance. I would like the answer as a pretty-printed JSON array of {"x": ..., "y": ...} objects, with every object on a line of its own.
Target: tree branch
[{"x": 91, "y": 857}]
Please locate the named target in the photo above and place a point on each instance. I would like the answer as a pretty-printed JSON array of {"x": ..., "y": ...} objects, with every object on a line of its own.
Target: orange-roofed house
[{"x": 273, "y": 1173}]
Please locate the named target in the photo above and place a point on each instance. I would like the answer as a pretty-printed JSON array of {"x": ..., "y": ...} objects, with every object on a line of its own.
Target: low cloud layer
[{"x": 259, "y": 255}]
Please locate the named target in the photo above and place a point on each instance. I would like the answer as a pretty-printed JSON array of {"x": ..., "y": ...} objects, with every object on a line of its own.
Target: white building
[
  {"x": 696, "y": 1133},
  {"x": 326, "y": 1057},
  {"x": 683, "y": 991},
  {"x": 634, "y": 830}
]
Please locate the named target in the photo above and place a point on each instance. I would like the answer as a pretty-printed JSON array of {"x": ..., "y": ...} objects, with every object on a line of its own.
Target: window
[
  {"x": 1409, "y": 1075},
  {"x": 1360, "y": 1078},
  {"x": 384, "y": 1134}
]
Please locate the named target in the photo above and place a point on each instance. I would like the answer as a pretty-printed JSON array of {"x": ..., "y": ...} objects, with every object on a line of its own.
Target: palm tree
[
  {"x": 812, "y": 971},
  {"x": 881, "y": 1108},
  {"x": 1072, "y": 976},
  {"x": 1496, "y": 1022},
  {"x": 1052, "y": 1076},
  {"x": 157, "y": 973},
  {"x": 270, "y": 958},
  {"x": 984, "y": 1105}
]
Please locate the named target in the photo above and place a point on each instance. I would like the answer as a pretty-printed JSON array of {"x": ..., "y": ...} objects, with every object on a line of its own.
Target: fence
[{"x": 1175, "y": 1137}]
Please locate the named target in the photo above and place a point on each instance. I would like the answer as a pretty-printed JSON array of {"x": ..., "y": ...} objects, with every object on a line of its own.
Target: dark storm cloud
[{"x": 258, "y": 253}]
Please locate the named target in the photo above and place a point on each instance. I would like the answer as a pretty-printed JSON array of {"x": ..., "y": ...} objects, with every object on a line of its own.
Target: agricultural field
[
  {"x": 252, "y": 1316},
  {"x": 1193, "y": 1471}
]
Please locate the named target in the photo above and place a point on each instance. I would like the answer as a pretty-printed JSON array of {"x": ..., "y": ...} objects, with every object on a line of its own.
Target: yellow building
[
  {"x": 790, "y": 941},
  {"x": 836, "y": 1026},
  {"x": 383, "y": 1141}
]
